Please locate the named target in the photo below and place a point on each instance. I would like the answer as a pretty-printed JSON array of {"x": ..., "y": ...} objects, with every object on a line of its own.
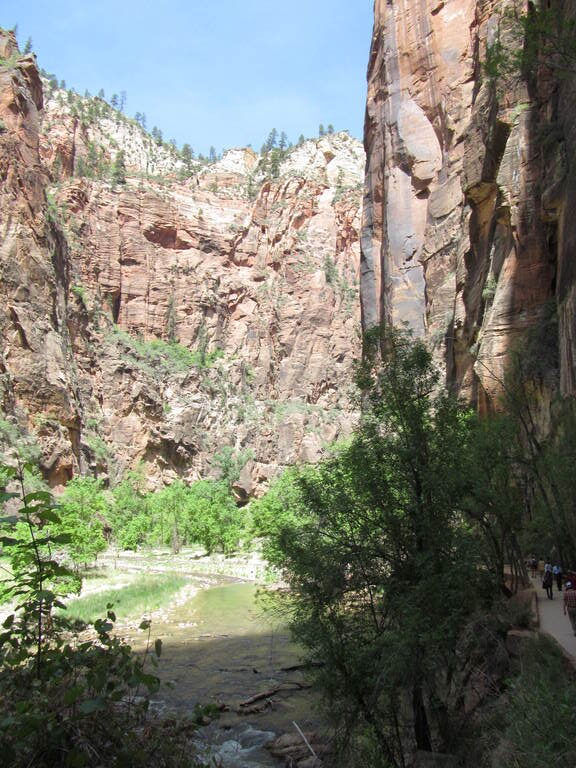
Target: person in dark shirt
[
  {"x": 570, "y": 604},
  {"x": 547, "y": 583}
]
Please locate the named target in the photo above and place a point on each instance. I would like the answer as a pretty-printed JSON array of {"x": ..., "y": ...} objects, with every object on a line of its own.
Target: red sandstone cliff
[
  {"x": 256, "y": 277},
  {"x": 468, "y": 229}
]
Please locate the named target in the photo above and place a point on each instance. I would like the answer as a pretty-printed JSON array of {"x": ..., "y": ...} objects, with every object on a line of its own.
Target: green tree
[
  {"x": 169, "y": 513},
  {"x": 271, "y": 141},
  {"x": 83, "y": 516},
  {"x": 230, "y": 463},
  {"x": 385, "y": 570},
  {"x": 214, "y": 520},
  {"x": 212, "y": 155},
  {"x": 275, "y": 160},
  {"x": 119, "y": 169},
  {"x": 28, "y": 47},
  {"x": 321, "y": 131},
  {"x": 130, "y": 515}
]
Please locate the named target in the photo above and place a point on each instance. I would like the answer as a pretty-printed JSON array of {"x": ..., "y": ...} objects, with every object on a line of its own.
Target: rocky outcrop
[
  {"x": 36, "y": 362},
  {"x": 162, "y": 320},
  {"x": 465, "y": 233}
]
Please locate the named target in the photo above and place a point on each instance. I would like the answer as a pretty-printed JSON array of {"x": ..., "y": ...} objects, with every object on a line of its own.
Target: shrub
[{"x": 67, "y": 702}]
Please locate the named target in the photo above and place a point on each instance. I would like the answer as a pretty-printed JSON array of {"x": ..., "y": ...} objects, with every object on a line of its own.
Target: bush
[
  {"x": 65, "y": 701},
  {"x": 160, "y": 357},
  {"x": 538, "y": 714}
]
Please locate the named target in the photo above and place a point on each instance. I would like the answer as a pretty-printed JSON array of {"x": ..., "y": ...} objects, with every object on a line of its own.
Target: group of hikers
[{"x": 553, "y": 573}]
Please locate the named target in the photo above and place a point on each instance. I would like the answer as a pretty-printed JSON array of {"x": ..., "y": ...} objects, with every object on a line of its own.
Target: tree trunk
[{"x": 421, "y": 727}]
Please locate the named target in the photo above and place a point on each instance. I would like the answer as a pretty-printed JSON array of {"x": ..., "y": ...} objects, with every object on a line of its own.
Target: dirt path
[{"x": 552, "y": 619}]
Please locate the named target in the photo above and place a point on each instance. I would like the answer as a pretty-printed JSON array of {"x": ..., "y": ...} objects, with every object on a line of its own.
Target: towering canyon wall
[
  {"x": 161, "y": 320},
  {"x": 468, "y": 229}
]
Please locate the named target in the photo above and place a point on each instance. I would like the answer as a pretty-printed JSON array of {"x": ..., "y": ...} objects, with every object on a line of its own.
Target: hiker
[
  {"x": 570, "y": 604},
  {"x": 557, "y": 571},
  {"x": 547, "y": 583}
]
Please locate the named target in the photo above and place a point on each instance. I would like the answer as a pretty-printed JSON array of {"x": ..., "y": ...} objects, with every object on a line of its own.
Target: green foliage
[
  {"x": 203, "y": 513},
  {"x": 525, "y": 41},
  {"x": 282, "y": 506},
  {"x": 230, "y": 463},
  {"x": 15, "y": 442},
  {"x": 378, "y": 553},
  {"x": 214, "y": 519},
  {"x": 160, "y": 357},
  {"x": 98, "y": 447},
  {"x": 489, "y": 289},
  {"x": 83, "y": 510},
  {"x": 11, "y": 61},
  {"x": 330, "y": 270},
  {"x": 79, "y": 292},
  {"x": 524, "y": 736},
  {"x": 65, "y": 701},
  {"x": 118, "y": 172},
  {"x": 129, "y": 513}
]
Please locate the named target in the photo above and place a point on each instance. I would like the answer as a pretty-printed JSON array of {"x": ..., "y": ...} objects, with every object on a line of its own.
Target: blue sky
[{"x": 216, "y": 72}]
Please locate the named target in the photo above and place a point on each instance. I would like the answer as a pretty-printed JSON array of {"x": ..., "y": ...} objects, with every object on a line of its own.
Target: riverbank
[{"x": 222, "y": 654}]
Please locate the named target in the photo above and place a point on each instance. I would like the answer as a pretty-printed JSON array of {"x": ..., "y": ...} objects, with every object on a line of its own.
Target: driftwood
[
  {"x": 306, "y": 665},
  {"x": 273, "y": 691}
]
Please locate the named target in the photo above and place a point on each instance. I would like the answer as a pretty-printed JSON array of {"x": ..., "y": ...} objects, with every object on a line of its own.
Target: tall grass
[{"x": 146, "y": 594}]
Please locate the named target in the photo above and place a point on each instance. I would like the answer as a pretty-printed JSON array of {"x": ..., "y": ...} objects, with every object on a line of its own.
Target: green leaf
[
  {"x": 151, "y": 682},
  {"x": 8, "y": 621},
  {"x": 72, "y": 694},
  {"x": 145, "y": 624},
  {"x": 111, "y": 615},
  {"x": 46, "y": 595},
  {"x": 8, "y": 541},
  {"x": 49, "y": 516},
  {"x": 42, "y": 496},
  {"x": 158, "y": 647},
  {"x": 61, "y": 538}
]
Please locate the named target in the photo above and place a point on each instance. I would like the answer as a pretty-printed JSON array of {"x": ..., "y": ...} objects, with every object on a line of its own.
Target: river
[{"x": 220, "y": 647}]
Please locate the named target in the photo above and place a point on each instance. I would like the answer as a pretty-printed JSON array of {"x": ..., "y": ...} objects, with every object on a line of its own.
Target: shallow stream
[{"x": 219, "y": 647}]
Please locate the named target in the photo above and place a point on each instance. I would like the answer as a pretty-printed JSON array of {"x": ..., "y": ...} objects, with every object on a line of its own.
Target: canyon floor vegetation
[{"x": 402, "y": 551}]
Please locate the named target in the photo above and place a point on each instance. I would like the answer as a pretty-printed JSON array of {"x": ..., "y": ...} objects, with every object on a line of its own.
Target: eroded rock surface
[
  {"x": 466, "y": 230},
  {"x": 108, "y": 290}
]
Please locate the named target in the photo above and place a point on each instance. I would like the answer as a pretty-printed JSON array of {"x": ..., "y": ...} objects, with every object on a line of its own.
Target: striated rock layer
[
  {"x": 160, "y": 320},
  {"x": 468, "y": 227}
]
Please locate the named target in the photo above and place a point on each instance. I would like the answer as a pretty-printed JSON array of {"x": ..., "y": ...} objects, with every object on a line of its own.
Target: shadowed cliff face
[
  {"x": 465, "y": 234},
  {"x": 162, "y": 320}
]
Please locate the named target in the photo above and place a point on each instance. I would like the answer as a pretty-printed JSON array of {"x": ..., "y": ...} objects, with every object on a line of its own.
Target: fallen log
[{"x": 268, "y": 694}]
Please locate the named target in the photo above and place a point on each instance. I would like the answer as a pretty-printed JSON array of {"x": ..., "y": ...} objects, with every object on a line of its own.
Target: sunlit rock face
[
  {"x": 468, "y": 228},
  {"x": 258, "y": 278}
]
